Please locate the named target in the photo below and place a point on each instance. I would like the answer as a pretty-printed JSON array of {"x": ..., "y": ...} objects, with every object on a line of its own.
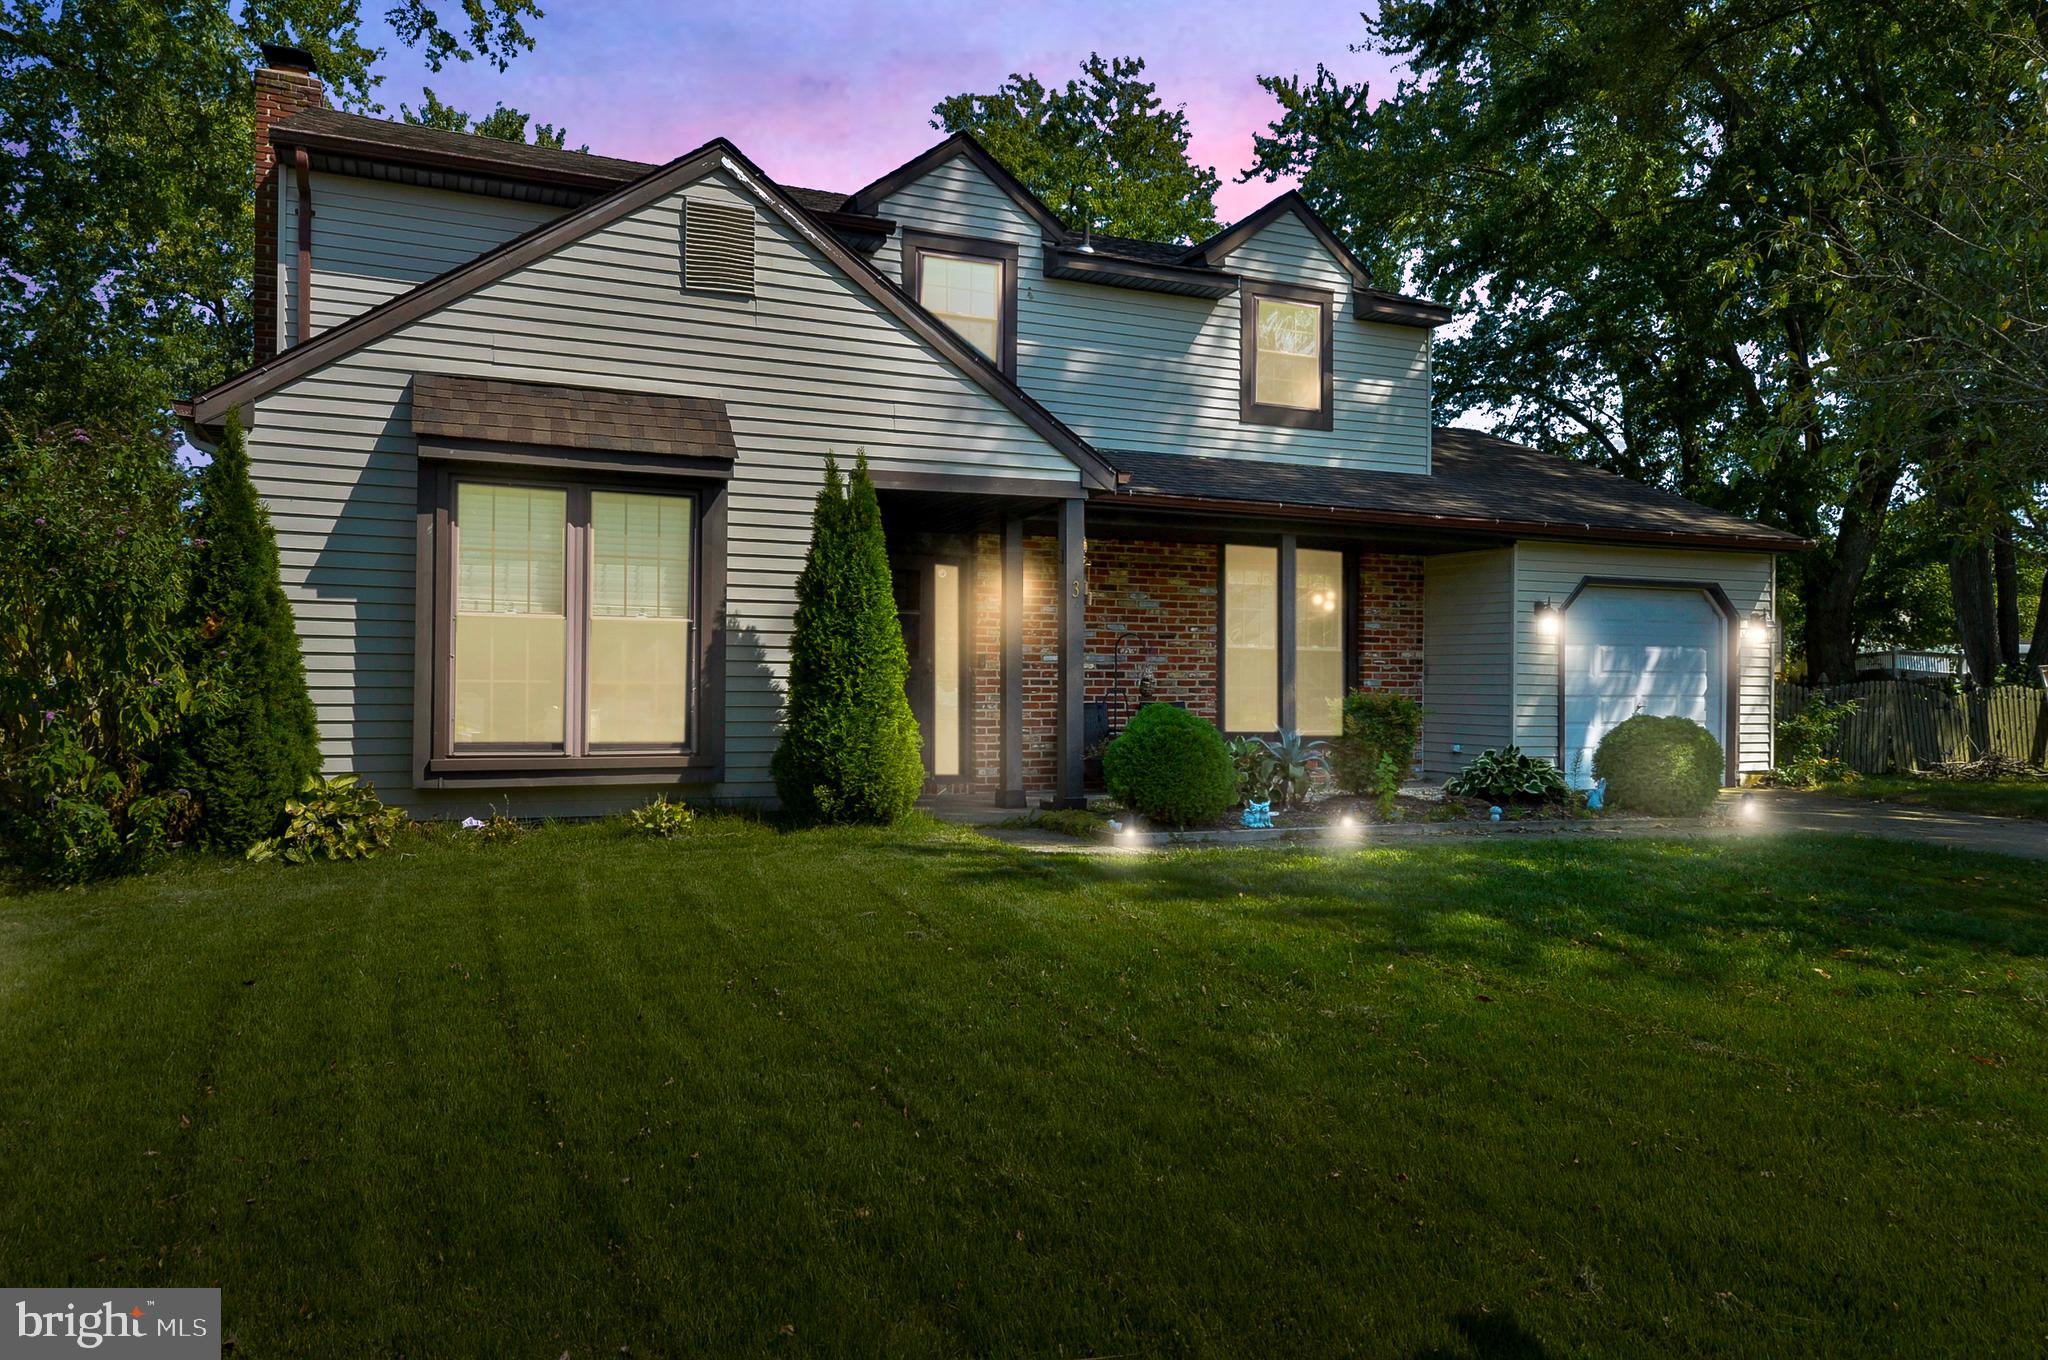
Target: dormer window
[
  {"x": 1285, "y": 356},
  {"x": 971, "y": 286}
]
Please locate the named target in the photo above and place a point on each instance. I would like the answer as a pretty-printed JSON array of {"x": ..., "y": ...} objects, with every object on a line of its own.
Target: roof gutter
[{"x": 1337, "y": 514}]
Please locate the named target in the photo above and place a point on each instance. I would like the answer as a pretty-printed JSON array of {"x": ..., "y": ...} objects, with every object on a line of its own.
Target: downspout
[{"x": 304, "y": 164}]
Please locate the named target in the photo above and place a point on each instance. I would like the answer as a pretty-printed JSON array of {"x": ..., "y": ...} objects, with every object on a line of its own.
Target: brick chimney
[{"x": 285, "y": 85}]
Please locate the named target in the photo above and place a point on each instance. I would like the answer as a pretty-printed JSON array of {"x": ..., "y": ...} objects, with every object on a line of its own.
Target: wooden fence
[{"x": 1905, "y": 725}]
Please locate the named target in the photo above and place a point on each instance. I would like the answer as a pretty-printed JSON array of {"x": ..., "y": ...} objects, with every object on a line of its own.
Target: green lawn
[
  {"x": 912, "y": 1093},
  {"x": 1999, "y": 797}
]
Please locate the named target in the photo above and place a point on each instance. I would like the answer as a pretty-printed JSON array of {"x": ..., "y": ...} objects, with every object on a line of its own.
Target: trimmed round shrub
[
  {"x": 1171, "y": 765},
  {"x": 1670, "y": 767}
]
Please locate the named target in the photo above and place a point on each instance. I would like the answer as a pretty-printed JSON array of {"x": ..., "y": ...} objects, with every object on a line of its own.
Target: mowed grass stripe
[{"x": 912, "y": 1093}]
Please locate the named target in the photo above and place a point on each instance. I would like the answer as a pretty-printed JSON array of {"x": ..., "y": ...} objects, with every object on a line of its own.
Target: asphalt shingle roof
[{"x": 1475, "y": 479}]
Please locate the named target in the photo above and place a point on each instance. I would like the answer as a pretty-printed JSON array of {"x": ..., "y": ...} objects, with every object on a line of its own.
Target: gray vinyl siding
[
  {"x": 809, "y": 364},
  {"x": 1467, "y": 608},
  {"x": 1150, "y": 371},
  {"x": 373, "y": 240},
  {"x": 1551, "y": 571}
]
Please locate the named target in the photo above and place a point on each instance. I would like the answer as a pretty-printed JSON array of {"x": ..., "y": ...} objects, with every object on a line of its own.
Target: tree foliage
[
  {"x": 1606, "y": 189},
  {"x": 851, "y": 750},
  {"x": 244, "y": 757},
  {"x": 126, "y": 244},
  {"x": 93, "y": 681},
  {"x": 1101, "y": 151},
  {"x": 503, "y": 124}
]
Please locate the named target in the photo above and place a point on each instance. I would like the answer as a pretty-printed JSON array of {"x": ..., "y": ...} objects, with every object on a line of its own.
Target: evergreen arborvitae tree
[
  {"x": 254, "y": 745},
  {"x": 851, "y": 751}
]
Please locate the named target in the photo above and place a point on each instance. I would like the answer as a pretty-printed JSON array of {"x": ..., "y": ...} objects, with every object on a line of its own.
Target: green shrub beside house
[
  {"x": 851, "y": 750},
  {"x": 245, "y": 756},
  {"x": 1172, "y": 766},
  {"x": 1669, "y": 767}
]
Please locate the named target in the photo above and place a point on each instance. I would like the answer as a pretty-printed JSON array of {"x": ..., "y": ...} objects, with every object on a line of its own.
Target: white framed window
[
  {"x": 968, "y": 296},
  {"x": 1289, "y": 364}
]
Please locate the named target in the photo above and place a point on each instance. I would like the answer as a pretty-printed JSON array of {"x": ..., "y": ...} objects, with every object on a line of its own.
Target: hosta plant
[
  {"x": 1508, "y": 775},
  {"x": 661, "y": 818},
  {"x": 332, "y": 819}
]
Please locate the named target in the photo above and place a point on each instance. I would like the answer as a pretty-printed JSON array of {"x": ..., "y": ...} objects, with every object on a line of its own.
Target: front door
[{"x": 933, "y": 607}]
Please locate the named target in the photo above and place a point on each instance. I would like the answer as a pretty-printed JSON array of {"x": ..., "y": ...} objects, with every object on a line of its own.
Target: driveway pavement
[
  {"x": 1761, "y": 812},
  {"x": 1789, "y": 810}
]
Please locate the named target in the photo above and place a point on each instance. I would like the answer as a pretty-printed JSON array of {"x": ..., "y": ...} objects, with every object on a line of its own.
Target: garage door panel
[{"x": 1631, "y": 651}]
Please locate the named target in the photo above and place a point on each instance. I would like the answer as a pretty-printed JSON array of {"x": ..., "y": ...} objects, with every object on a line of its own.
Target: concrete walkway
[{"x": 1762, "y": 812}]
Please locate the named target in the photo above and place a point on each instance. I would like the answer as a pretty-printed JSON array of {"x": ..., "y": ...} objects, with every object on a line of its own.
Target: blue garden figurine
[
  {"x": 1257, "y": 814},
  {"x": 1596, "y": 797}
]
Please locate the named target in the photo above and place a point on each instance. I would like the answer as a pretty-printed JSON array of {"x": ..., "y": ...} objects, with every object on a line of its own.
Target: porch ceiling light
[{"x": 1549, "y": 619}]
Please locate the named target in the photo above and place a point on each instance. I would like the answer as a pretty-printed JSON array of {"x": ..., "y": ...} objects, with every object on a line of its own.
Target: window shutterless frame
[
  {"x": 1250, "y": 411},
  {"x": 918, "y": 244},
  {"x": 1285, "y": 603},
  {"x": 441, "y": 762}
]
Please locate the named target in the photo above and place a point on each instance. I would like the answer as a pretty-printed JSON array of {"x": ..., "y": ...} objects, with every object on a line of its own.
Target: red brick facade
[
  {"x": 1151, "y": 616},
  {"x": 279, "y": 95},
  {"x": 1390, "y": 623}
]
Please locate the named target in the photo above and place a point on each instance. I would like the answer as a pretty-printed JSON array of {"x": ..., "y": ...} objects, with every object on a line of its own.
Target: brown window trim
[
  {"x": 917, "y": 244},
  {"x": 1249, "y": 410},
  {"x": 1285, "y": 659},
  {"x": 436, "y": 762}
]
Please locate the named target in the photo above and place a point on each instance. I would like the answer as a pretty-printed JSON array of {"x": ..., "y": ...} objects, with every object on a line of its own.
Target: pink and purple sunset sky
[{"x": 831, "y": 95}]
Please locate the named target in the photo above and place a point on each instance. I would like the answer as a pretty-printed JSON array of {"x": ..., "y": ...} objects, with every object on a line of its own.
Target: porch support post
[
  {"x": 1286, "y": 632},
  {"x": 1071, "y": 790},
  {"x": 1010, "y": 791}
]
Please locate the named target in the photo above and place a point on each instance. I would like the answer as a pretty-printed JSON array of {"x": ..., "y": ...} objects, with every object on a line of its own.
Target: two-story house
[{"x": 540, "y": 434}]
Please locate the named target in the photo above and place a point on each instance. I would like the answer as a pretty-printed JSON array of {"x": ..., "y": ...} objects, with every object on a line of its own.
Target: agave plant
[{"x": 1279, "y": 768}]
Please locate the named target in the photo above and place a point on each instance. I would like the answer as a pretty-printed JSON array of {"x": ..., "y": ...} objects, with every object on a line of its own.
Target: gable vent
[{"x": 718, "y": 246}]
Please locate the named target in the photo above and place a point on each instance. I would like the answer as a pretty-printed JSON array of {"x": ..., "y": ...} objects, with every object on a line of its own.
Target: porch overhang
[{"x": 1477, "y": 490}]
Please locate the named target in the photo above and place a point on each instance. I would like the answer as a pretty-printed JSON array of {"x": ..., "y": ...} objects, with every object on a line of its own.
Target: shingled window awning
[{"x": 464, "y": 419}]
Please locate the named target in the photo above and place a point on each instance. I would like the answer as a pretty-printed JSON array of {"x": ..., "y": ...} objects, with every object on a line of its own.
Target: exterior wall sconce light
[
  {"x": 1549, "y": 619},
  {"x": 1755, "y": 629}
]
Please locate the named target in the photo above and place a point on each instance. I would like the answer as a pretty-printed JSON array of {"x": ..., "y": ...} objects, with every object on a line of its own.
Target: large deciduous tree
[
  {"x": 1101, "y": 151},
  {"x": 1605, "y": 188},
  {"x": 125, "y": 148}
]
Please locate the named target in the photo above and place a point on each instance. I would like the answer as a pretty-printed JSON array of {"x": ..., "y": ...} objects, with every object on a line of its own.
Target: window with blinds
[
  {"x": 511, "y": 624},
  {"x": 574, "y": 619}
]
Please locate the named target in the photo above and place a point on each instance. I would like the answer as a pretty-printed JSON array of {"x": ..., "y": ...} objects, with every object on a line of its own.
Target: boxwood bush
[
  {"x": 1171, "y": 765},
  {"x": 1669, "y": 767}
]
